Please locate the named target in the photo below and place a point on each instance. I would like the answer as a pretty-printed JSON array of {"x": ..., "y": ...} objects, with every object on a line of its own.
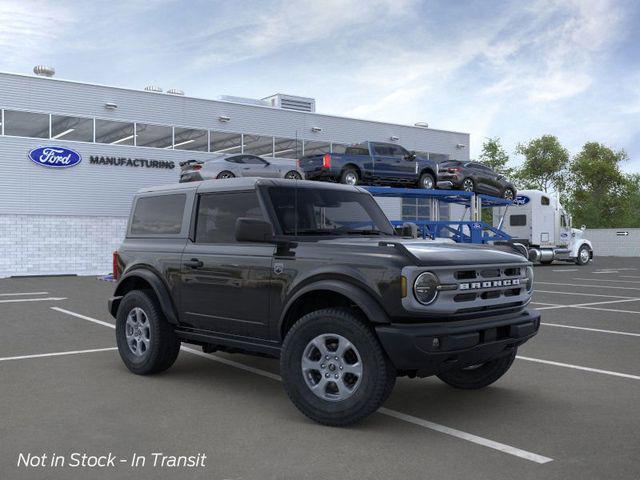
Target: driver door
[{"x": 254, "y": 166}]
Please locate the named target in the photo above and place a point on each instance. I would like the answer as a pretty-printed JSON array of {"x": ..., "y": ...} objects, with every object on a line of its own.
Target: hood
[{"x": 439, "y": 253}]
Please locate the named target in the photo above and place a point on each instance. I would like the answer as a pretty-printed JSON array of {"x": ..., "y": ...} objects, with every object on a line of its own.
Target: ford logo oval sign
[
  {"x": 521, "y": 200},
  {"x": 55, "y": 157}
]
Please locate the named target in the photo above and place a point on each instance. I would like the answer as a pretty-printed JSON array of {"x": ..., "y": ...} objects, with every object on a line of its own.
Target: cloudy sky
[{"x": 493, "y": 68}]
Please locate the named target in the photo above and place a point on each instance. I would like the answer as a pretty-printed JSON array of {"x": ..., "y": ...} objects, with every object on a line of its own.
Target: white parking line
[
  {"x": 589, "y": 286},
  {"x": 566, "y": 270},
  {"x": 58, "y": 354},
  {"x": 17, "y": 300},
  {"x": 579, "y": 367},
  {"x": 384, "y": 411},
  {"x": 611, "y": 310},
  {"x": 629, "y": 276},
  {"x": 27, "y": 293},
  {"x": 616, "y": 332},
  {"x": 466, "y": 436},
  {"x": 606, "y": 280},
  {"x": 582, "y": 294},
  {"x": 552, "y": 306}
]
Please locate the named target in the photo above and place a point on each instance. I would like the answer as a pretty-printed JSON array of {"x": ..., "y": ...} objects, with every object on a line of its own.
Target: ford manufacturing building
[{"x": 70, "y": 220}]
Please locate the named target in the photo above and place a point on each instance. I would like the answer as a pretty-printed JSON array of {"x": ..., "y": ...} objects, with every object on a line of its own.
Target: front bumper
[{"x": 431, "y": 348}]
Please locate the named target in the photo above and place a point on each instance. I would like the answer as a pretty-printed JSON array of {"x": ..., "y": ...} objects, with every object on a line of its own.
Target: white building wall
[
  {"x": 58, "y": 244},
  {"x": 612, "y": 242}
]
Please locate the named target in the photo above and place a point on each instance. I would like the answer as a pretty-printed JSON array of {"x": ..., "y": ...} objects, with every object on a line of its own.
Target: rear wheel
[
  {"x": 584, "y": 255},
  {"x": 293, "y": 175},
  {"x": 478, "y": 376},
  {"x": 146, "y": 342},
  {"x": 468, "y": 185},
  {"x": 427, "y": 181},
  {"x": 225, "y": 174},
  {"x": 349, "y": 176},
  {"x": 334, "y": 369}
]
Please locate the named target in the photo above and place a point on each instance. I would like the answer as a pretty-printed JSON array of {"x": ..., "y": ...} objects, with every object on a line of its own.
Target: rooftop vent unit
[
  {"x": 291, "y": 102},
  {"x": 153, "y": 88},
  {"x": 175, "y": 91},
  {"x": 43, "y": 71},
  {"x": 244, "y": 100}
]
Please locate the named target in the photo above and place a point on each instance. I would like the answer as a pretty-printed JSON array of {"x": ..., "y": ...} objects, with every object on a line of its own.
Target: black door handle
[{"x": 194, "y": 263}]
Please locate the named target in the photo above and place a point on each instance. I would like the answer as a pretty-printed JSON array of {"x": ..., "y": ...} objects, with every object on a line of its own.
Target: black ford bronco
[{"x": 316, "y": 275}]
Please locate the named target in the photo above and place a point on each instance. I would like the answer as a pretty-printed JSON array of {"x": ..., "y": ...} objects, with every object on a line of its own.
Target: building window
[
  {"x": 257, "y": 145},
  {"x": 26, "y": 124},
  {"x": 190, "y": 139},
  {"x": 115, "y": 133},
  {"x": 287, "y": 148},
  {"x": 157, "y": 136},
  {"x": 71, "y": 128},
  {"x": 316, "y": 148},
  {"x": 226, "y": 142}
]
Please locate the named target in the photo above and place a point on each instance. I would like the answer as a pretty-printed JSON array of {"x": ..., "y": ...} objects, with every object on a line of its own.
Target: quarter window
[
  {"x": 159, "y": 215},
  {"x": 218, "y": 212},
  {"x": 26, "y": 124}
]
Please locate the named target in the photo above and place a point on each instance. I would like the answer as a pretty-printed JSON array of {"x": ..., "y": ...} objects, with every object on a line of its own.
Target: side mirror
[
  {"x": 583, "y": 228},
  {"x": 253, "y": 230},
  {"x": 410, "y": 156}
]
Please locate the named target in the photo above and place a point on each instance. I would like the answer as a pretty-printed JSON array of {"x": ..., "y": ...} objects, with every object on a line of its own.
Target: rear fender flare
[{"x": 157, "y": 285}]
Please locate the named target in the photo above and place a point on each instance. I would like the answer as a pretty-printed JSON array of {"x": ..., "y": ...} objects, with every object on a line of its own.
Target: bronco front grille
[{"x": 473, "y": 288}]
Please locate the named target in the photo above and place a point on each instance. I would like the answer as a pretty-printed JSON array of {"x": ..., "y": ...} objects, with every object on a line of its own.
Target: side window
[
  {"x": 253, "y": 160},
  {"x": 158, "y": 215},
  {"x": 517, "y": 220},
  {"x": 238, "y": 159},
  {"x": 382, "y": 150},
  {"x": 218, "y": 212},
  {"x": 563, "y": 221},
  {"x": 544, "y": 201},
  {"x": 397, "y": 151}
]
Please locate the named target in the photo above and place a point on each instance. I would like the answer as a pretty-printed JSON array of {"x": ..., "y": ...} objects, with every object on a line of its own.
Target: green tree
[
  {"x": 494, "y": 156},
  {"x": 600, "y": 194},
  {"x": 545, "y": 164}
]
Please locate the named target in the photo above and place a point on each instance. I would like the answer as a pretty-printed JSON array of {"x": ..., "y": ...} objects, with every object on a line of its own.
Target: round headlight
[
  {"x": 425, "y": 288},
  {"x": 529, "y": 279}
]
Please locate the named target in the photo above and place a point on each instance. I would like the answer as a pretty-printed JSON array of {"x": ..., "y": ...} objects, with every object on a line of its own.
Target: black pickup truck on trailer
[
  {"x": 372, "y": 163},
  {"x": 315, "y": 274}
]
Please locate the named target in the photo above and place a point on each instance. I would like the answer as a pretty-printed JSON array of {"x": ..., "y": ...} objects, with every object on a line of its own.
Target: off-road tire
[
  {"x": 378, "y": 378},
  {"x": 424, "y": 178},
  {"x": 164, "y": 344},
  {"x": 479, "y": 377}
]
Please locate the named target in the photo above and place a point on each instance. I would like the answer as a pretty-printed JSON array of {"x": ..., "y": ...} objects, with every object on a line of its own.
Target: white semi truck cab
[{"x": 537, "y": 220}]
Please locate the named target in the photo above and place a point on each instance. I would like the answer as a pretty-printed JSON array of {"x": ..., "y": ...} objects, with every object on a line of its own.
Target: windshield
[{"x": 320, "y": 211}]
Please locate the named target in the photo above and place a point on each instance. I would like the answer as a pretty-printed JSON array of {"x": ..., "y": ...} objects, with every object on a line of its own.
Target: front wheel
[
  {"x": 478, "y": 376},
  {"x": 146, "y": 342},
  {"x": 334, "y": 369},
  {"x": 427, "y": 181},
  {"x": 584, "y": 255}
]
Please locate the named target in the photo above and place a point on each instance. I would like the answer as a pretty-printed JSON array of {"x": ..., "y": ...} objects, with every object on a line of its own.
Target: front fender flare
[
  {"x": 364, "y": 300},
  {"x": 159, "y": 288}
]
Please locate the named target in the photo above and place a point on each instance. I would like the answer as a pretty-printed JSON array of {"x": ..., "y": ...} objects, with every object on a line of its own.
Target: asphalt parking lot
[{"x": 568, "y": 408}]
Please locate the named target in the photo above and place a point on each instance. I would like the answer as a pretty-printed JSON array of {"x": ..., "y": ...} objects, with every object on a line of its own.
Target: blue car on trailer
[{"x": 374, "y": 163}]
